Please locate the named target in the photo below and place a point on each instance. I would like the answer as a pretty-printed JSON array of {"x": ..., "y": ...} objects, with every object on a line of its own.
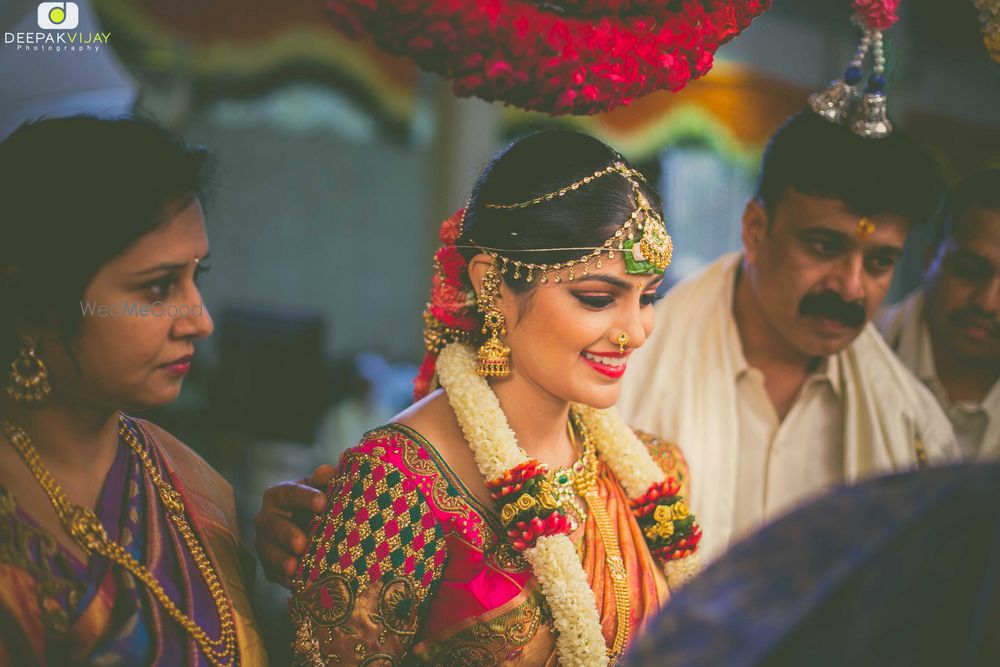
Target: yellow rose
[
  {"x": 545, "y": 497},
  {"x": 663, "y": 513},
  {"x": 508, "y": 513},
  {"x": 525, "y": 502},
  {"x": 663, "y": 530}
]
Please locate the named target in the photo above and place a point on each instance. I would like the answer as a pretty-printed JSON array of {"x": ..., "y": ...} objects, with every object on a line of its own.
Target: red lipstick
[{"x": 608, "y": 370}]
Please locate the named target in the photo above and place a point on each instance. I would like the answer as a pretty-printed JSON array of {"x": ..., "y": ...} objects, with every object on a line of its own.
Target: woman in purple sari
[{"x": 118, "y": 544}]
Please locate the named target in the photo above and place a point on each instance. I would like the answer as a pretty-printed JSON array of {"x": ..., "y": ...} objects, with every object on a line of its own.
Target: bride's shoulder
[
  {"x": 427, "y": 414},
  {"x": 412, "y": 429},
  {"x": 434, "y": 420},
  {"x": 424, "y": 439}
]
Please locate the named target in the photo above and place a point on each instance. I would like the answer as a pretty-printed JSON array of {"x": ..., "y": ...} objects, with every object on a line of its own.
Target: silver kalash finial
[
  {"x": 834, "y": 102},
  {"x": 870, "y": 119},
  {"x": 842, "y": 103}
]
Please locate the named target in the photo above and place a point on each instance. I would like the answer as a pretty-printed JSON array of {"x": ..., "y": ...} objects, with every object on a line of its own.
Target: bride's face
[{"x": 563, "y": 336}]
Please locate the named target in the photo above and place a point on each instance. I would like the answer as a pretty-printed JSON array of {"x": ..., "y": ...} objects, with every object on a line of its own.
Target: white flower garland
[
  {"x": 682, "y": 570},
  {"x": 480, "y": 416},
  {"x": 563, "y": 581},
  {"x": 622, "y": 449},
  {"x": 553, "y": 559},
  {"x": 636, "y": 470}
]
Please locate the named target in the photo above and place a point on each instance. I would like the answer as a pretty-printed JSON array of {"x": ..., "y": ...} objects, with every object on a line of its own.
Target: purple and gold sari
[{"x": 58, "y": 610}]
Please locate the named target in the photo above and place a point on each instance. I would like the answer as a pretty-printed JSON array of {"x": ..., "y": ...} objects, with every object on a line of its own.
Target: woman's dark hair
[
  {"x": 75, "y": 193},
  {"x": 891, "y": 175},
  {"x": 536, "y": 165}
]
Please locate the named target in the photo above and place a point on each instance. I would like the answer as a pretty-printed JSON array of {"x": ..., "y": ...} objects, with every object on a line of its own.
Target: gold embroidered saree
[{"x": 407, "y": 567}]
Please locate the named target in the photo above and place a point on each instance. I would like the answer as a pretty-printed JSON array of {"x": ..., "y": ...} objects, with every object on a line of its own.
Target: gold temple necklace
[
  {"x": 87, "y": 531},
  {"x": 586, "y": 485}
]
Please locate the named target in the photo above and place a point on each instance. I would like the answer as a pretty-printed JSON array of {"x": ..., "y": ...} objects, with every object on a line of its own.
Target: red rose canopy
[{"x": 561, "y": 56}]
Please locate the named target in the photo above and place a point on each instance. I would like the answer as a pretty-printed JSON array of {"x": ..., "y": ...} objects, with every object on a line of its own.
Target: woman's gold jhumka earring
[
  {"x": 622, "y": 341},
  {"x": 29, "y": 379},
  {"x": 493, "y": 357}
]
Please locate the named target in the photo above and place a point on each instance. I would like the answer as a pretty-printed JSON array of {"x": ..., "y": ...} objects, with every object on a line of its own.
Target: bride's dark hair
[{"x": 536, "y": 165}]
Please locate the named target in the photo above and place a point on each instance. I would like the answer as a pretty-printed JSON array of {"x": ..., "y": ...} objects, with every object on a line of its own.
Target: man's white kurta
[{"x": 862, "y": 414}]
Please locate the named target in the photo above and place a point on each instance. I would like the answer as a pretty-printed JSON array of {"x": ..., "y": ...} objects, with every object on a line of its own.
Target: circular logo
[{"x": 57, "y": 15}]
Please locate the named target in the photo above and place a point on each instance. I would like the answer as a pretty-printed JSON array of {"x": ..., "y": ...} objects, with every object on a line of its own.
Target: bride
[{"x": 509, "y": 517}]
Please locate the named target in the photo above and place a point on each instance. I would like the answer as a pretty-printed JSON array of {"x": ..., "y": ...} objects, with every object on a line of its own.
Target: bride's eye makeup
[
  {"x": 601, "y": 300},
  {"x": 649, "y": 298},
  {"x": 594, "y": 300}
]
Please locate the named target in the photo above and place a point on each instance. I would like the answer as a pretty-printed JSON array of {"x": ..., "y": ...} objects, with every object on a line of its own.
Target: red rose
[
  {"x": 880, "y": 14},
  {"x": 452, "y": 264},
  {"x": 451, "y": 228}
]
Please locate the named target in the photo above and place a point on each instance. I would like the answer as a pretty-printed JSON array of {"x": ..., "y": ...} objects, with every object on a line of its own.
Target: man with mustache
[
  {"x": 948, "y": 331},
  {"x": 764, "y": 366}
]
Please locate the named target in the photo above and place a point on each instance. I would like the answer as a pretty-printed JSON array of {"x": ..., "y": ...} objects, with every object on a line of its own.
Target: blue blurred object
[{"x": 901, "y": 570}]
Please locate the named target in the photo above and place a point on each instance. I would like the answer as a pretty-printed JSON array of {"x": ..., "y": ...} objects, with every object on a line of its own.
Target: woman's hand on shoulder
[{"x": 283, "y": 521}]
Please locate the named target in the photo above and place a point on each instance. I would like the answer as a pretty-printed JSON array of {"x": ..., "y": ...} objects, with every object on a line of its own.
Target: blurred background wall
[{"x": 336, "y": 163}]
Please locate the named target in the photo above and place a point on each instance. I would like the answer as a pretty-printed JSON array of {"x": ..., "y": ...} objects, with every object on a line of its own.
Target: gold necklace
[
  {"x": 586, "y": 485},
  {"x": 88, "y": 532},
  {"x": 564, "y": 485}
]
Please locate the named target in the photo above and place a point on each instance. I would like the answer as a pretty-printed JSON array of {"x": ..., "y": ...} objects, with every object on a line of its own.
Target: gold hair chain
[
  {"x": 617, "y": 166},
  {"x": 87, "y": 531},
  {"x": 644, "y": 234}
]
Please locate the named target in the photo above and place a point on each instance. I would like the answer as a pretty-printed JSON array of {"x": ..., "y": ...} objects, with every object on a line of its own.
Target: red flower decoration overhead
[
  {"x": 879, "y": 14},
  {"x": 563, "y": 56}
]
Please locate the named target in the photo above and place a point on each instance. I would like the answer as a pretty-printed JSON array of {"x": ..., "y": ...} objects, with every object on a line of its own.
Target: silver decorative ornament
[
  {"x": 835, "y": 102},
  {"x": 869, "y": 119}
]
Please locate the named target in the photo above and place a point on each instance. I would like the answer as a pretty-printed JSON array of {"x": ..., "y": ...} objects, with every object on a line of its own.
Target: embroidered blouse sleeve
[
  {"x": 670, "y": 459},
  {"x": 373, "y": 562}
]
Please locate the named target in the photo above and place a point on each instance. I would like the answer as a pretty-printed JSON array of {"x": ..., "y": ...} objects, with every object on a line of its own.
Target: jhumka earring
[
  {"x": 29, "y": 379},
  {"x": 493, "y": 356}
]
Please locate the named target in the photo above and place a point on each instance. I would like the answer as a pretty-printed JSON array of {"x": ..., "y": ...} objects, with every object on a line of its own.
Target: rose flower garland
[{"x": 565, "y": 56}]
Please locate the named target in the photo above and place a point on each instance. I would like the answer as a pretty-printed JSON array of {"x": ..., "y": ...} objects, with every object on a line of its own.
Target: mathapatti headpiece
[{"x": 642, "y": 239}]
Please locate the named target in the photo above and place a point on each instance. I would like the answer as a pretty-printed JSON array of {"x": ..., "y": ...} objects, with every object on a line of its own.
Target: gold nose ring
[{"x": 622, "y": 341}]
